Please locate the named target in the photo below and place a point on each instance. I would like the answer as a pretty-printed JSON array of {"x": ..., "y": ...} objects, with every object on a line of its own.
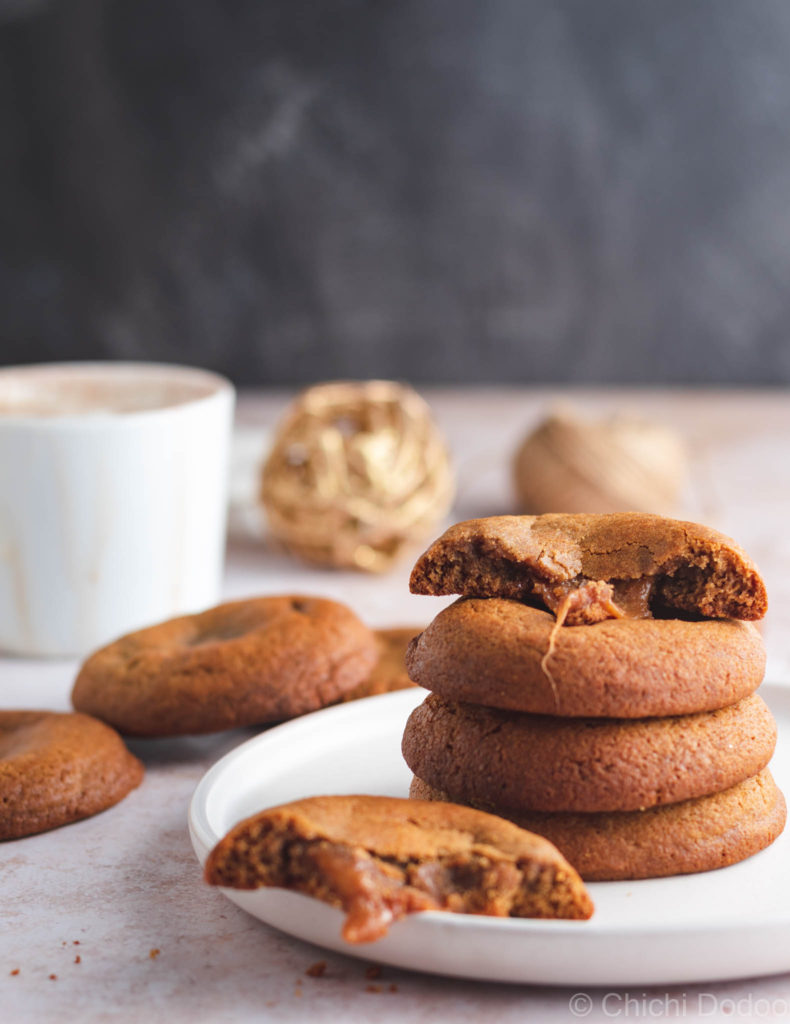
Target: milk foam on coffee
[{"x": 77, "y": 391}]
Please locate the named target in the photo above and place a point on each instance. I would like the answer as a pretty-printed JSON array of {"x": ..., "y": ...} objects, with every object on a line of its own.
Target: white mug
[{"x": 113, "y": 500}]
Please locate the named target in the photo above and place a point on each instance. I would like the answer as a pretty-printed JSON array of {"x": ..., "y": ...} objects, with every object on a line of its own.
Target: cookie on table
[
  {"x": 644, "y": 564},
  {"x": 389, "y": 673},
  {"x": 249, "y": 662},
  {"x": 380, "y": 858},
  {"x": 502, "y": 759},
  {"x": 696, "y": 835},
  {"x": 493, "y": 651},
  {"x": 59, "y": 768}
]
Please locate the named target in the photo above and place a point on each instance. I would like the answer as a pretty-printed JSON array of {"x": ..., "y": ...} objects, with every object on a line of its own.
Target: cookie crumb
[
  {"x": 76, "y": 942},
  {"x": 373, "y": 988},
  {"x": 316, "y": 970},
  {"x": 53, "y": 977},
  {"x": 14, "y": 972},
  {"x": 78, "y": 959},
  {"x": 372, "y": 972},
  {"x": 153, "y": 953}
]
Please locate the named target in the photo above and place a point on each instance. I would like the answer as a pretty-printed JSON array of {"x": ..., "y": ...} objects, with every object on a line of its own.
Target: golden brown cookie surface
[
  {"x": 59, "y": 768},
  {"x": 379, "y": 858},
  {"x": 695, "y": 835},
  {"x": 687, "y": 568},
  {"x": 247, "y": 662},
  {"x": 495, "y": 651},
  {"x": 522, "y": 762}
]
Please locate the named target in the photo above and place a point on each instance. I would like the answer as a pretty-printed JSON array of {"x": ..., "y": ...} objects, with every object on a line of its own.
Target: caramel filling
[
  {"x": 634, "y": 597},
  {"x": 371, "y": 899},
  {"x": 375, "y": 889},
  {"x": 580, "y": 602},
  {"x": 583, "y": 602},
  {"x": 375, "y": 893},
  {"x": 469, "y": 888}
]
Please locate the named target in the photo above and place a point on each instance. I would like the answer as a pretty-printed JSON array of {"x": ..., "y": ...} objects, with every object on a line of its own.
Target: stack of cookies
[{"x": 595, "y": 684}]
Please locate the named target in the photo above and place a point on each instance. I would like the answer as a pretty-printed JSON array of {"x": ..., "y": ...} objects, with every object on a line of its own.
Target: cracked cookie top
[{"x": 651, "y": 566}]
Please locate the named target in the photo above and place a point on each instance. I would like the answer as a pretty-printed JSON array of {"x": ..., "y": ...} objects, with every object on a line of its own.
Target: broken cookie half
[
  {"x": 380, "y": 858},
  {"x": 586, "y": 568}
]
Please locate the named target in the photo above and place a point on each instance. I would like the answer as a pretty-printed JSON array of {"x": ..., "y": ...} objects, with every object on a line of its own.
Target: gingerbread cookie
[
  {"x": 507, "y": 654},
  {"x": 265, "y": 659},
  {"x": 677, "y": 839},
  {"x": 491, "y": 758},
  {"x": 389, "y": 673},
  {"x": 59, "y": 768},
  {"x": 380, "y": 858},
  {"x": 627, "y": 563}
]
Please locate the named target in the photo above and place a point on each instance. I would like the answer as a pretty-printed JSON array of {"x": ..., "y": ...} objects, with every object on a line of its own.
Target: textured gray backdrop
[{"x": 441, "y": 190}]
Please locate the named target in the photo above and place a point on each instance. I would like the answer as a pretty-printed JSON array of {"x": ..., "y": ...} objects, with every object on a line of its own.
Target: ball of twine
[
  {"x": 567, "y": 464},
  {"x": 358, "y": 471}
]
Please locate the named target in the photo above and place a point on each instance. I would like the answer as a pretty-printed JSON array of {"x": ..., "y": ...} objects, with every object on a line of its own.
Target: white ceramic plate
[{"x": 730, "y": 923}]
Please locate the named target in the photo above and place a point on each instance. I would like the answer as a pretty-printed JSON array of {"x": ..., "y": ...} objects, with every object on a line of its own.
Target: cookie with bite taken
[{"x": 380, "y": 858}]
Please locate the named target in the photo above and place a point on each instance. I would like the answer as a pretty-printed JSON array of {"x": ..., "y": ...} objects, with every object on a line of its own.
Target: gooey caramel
[
  {"x": 581, "y": 602},
  {"x": 371, "y": 898}
]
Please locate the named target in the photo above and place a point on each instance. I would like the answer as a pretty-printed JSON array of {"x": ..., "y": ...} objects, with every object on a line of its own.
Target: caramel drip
[
  {"x": 584, "y": 602},
  {"x": 561, "y": 614},
  {"x": 371, "y": 899},
  {"x": 589, "y": 601}
]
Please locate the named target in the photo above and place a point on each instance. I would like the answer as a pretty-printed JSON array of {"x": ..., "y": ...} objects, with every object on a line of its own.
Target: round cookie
[
  {"x": 695, "y": 835},
  {"x": 59, "y": 768},
  {"x": 265, "y": 659},
  {"x": 524, "y": 762},
  {"x": 389, "y": 672},
  {"x": 494, "y": 651},
  {"x": 682, "y": 567}
]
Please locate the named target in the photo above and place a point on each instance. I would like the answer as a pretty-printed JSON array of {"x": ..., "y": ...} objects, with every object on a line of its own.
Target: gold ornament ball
[
  {"x": 621, "y": 464},
  {"x": 357, "y": 473}
]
